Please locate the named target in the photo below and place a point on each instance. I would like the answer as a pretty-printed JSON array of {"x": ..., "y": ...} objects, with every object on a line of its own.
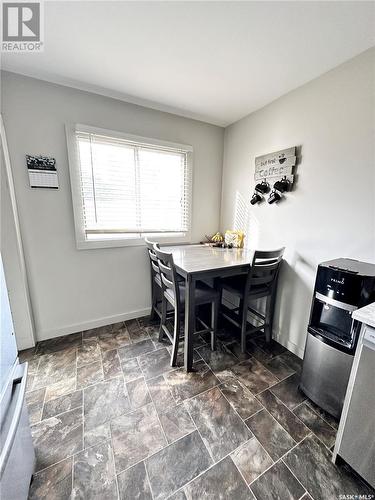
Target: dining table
[{"x": 203, "y": 262}]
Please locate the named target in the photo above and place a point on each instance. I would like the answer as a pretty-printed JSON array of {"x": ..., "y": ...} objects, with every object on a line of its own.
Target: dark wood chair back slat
[
  {"x": 155, "y": 266},
  {"x": 155, "y": 279},
  {"x": 168, "y": 274},
  {"x": 167, "y": 283},
  {"x": 264, "y": 268}
]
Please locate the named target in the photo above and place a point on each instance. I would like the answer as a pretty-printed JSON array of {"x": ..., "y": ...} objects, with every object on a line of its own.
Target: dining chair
[
  {"x": 260, "y": 282},
  {"x": 156, "y": 287},
  {"x": 174, "y": 294}
]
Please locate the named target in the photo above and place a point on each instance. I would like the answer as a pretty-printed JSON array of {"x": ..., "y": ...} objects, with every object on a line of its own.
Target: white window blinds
[{"x": 132, "y": 187}]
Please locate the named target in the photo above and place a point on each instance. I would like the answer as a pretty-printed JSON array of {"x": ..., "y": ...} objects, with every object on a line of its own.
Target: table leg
[{"x": 189, "y": 322}]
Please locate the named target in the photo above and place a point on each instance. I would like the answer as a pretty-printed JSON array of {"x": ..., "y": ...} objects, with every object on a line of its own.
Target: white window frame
[{"x": 73, "y": 156}]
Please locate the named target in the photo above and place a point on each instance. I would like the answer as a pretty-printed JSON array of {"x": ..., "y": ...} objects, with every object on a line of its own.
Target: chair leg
[
  {"x": 176, "y": 338},
  {"x": 215, "y": 306},
  {"x": 269, "y": 313},
  {"x": 154, "y": 303},
  {"x": 243, "y": 312},
  {"x": 163, "y": 319}
]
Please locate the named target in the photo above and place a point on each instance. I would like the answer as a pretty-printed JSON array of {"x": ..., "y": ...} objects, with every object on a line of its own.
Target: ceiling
[{"x": 213, "y": 61}]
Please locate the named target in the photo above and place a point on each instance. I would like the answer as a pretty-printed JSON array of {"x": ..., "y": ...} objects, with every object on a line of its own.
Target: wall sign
[
  {"x": 276, "y": 170},
  {"x": 42, "y": 172}
]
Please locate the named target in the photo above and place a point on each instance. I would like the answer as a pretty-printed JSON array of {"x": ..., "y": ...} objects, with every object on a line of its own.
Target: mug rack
[{"x": 274, "y": 175}]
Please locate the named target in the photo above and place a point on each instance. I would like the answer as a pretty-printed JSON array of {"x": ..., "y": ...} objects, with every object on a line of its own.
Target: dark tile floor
[{"x": 111, "y": 420}]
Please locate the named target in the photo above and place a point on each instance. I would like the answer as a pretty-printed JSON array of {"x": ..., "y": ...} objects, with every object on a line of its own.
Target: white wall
[
  {"x": 331, "y": 212},
  {"x": 74, "y": 289}
]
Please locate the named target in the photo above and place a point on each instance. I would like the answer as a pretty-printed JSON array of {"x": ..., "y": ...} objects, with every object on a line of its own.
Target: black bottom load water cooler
[{"x": 341, "y": 287}]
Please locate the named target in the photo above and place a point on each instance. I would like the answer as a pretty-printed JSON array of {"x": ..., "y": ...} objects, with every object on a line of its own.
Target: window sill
[{"x": 131, "y": 242}]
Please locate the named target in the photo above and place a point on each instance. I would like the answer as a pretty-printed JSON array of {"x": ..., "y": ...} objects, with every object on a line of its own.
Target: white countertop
[
  {"x": 200, "y": 258},
  {"x": 365, "y": 314}
]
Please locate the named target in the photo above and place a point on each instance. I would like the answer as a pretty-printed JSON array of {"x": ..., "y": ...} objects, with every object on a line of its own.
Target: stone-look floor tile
[
  {"x": 55, "y": 367},
  {"x": 332, "y": 421},
  {"x": 88, "y": 352},
  {"x": 111, "y": 364},
  {"x": 220, "y": 360},
  {"x": 310, "y": 462},
  {"x": 179, "y": 495},
  {"x": 34, "y": 400},
  {"x": 153, "y": 332},
  {"x": 270, "y": 434},
  {"x": 32, "y": 358},
  {"x": 94, "y": 474},
  {"x": 136, "y": 436},
  {"x": 62, "y": 404},
  {"x": 283, "y": 415},
  {"x": 256, "y": 352},
  {"x": 317, "y": 425},
  {"x": 118, "y": 326},
  {"x": 171, "y": 468},
  {"x": 61, "y": 388},
  {"x": 235, "y": 348},
  {"x": 89, "y": 374},
  {"x": 253, "y": 375},
  {"x": 221, "y": 429},
  {"x": 161, "y": 393},
  {"x": 132, "y": 325},
  {"x": 180, "y": 357},
  {"x": 95, "y": 332},
  {"x": 133, "y": 484},
  {"x": 164, "y": 343},
  {"x": 96, "y": 435},
  {"x": 30, "y": 382},
  {"x": 135, "y": 350},
  {"x": 227, "y": 331},
  {"x": 138, "y": 393},
  {"x": 56, "y": 438},
  {"x": 56, "y": 479},
  {"x": 187, "y": 385},
  {"x": 276, "y": 483},
  {"x": 27, "y": 354},
  {"x": 287, "y": 391},
  {"x": 104, "y": 401},
  {"x": 240, "y": 398},
  {"x": 114, "y": 339},
  {"x": 59, "y": 343},
  {"x": 138, "y": 335},
  {"x": 155, "y": 363},
  {"x": 272, "y": 348},
  {"x": 293, "y": 361},
  {"x": 130, "y": 369},
  {"x": 278, "y": 368},
  {"x": 145, "y": 321},
  {"x": 223, "y": 481},
  {"x": 176, "y": 422},
  {"x": 251, "y": 459}
]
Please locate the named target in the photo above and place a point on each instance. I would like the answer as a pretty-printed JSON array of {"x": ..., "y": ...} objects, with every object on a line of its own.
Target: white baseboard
[{"x": 87, "y": 325}]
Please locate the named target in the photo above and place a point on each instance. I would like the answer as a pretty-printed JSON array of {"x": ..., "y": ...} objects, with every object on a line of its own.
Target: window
[{"x": 125, "y": 187}]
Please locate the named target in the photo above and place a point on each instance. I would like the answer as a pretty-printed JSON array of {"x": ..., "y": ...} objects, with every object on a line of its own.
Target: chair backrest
[
  {"x": 153, "y": 258},
  {"x": 264, "y": 268},
  {"x": 168, "y": 273}
]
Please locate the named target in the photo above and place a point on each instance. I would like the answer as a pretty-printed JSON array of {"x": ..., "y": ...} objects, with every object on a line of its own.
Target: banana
[{"x": 217, "y": 238}]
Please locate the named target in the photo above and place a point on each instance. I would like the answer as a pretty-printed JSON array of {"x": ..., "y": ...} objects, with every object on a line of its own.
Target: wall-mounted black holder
[
  {"x": 280, "y": 187},
  {"x": 260, "y": 190},
  {"x": 283, "y": 185}
]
